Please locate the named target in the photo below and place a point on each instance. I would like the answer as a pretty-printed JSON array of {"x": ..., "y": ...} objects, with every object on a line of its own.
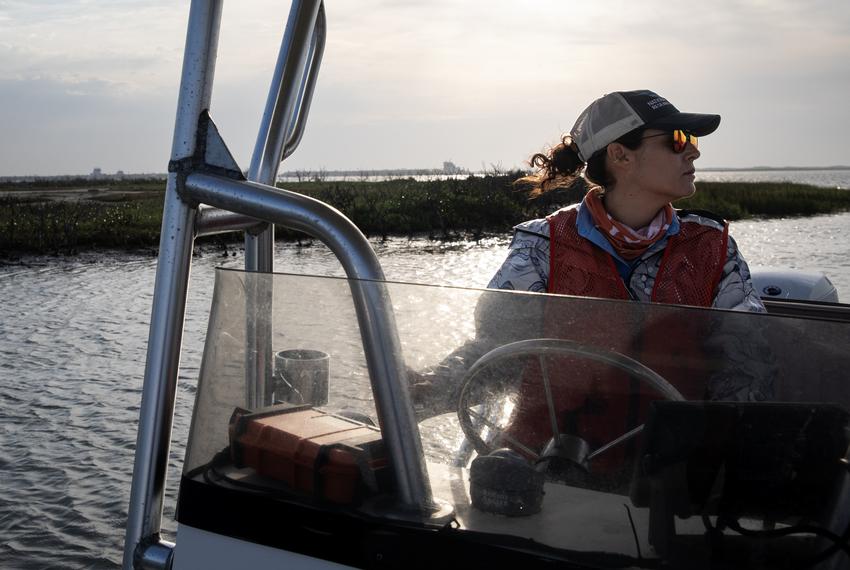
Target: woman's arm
[{"x": 735, "y": 290}]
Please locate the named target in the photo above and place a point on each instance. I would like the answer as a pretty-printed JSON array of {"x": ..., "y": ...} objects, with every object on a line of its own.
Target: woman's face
[{"x": 661, "y": 173}]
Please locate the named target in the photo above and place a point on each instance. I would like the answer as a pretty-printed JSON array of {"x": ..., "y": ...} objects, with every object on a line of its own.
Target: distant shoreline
[{"x": 321, "y": 173}]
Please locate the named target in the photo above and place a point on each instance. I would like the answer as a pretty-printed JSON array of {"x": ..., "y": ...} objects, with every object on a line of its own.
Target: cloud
[
  {"x": 127, "y": 43},
  {"x": 56, "y": 127},
  {"x": 407, "y": 83}
]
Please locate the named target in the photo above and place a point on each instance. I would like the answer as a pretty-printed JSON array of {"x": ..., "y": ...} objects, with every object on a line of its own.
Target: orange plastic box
[{"x": 320, "y": 454}]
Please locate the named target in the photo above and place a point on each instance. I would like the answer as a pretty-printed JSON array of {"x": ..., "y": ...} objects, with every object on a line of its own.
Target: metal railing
[{"x": 201, "y": 200}]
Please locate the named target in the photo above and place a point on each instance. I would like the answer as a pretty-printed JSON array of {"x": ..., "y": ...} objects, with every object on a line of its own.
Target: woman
[{"x": 625, "y": 240}]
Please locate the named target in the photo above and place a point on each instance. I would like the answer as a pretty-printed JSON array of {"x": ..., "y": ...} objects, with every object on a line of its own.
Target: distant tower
[
  {"x": 96, "y": 173},
  {"x": 450, "y": 167}
]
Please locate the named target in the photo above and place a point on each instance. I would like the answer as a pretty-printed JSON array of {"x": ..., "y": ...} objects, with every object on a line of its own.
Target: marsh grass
[
  {"x": 66, "y": 227},
  {"x": 738, "y": 200},
  {"x": 129, "y": 215}
]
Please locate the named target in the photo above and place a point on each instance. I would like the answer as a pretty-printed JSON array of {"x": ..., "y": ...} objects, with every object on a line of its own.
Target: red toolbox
[{"x": 323, "y": 455}]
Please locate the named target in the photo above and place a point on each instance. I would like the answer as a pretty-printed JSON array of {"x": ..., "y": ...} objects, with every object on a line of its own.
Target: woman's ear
[{"x": 617, "y": 154}]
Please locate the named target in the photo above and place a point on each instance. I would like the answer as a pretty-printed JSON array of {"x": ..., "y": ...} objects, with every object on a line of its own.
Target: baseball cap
[{"x": 615, "y": 114}]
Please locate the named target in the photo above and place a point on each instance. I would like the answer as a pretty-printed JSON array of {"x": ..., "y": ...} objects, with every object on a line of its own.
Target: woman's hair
[{"x": 562, "y": 165}]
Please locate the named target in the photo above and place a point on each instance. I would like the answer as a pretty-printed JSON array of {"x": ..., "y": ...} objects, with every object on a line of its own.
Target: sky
[{"x": 410, "y": 84}]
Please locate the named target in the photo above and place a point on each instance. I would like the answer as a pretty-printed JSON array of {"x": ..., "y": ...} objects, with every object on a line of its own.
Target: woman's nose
[{"x": 692, "y": 152}]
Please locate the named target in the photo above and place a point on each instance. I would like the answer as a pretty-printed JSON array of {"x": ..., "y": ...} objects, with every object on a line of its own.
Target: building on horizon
[{"x": 450, "y": 167}]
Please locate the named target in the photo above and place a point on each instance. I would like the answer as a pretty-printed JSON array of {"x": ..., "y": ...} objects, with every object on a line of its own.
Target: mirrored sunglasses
[{"x": 679, "y": 141}]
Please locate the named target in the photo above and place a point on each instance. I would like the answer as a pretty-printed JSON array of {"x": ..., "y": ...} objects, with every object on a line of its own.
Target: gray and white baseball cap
[{"x": 615, "y": 114}]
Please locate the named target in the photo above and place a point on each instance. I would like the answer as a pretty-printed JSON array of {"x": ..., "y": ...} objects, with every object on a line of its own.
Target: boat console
[{"x": 662, "y": 479}]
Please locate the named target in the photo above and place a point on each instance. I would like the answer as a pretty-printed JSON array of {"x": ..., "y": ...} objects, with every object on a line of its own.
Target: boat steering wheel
[{"x": 472, "y": 422}]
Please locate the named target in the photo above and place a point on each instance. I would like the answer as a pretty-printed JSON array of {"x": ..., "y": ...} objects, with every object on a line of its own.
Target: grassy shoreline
[{"x": 67, "y": 219}]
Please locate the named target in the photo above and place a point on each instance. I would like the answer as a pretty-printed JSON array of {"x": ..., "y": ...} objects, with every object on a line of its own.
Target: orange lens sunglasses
[{"x": 680, "y": 140}]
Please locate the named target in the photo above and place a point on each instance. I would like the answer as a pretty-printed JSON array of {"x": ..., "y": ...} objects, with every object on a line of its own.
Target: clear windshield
[{"x": 591, "y": 427}]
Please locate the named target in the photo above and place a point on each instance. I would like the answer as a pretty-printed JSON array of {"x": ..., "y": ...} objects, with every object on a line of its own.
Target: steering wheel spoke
[
  {"x": 503, "y": 436},
  {"x": 550, "y": 401}
]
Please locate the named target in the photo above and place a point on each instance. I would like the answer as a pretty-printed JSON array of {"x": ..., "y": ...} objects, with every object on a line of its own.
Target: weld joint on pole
[{"x": 196, "y": 163}]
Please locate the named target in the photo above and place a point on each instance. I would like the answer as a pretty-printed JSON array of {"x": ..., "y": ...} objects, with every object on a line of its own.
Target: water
[
  {"x": 838, "y": 178},
  {"x": 72, "y": 345}
]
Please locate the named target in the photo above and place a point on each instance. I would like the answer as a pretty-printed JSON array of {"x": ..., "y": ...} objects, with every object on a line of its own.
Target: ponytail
[
  {"x": 559, "y": 168},
  {"x": 562, "y": 166}
]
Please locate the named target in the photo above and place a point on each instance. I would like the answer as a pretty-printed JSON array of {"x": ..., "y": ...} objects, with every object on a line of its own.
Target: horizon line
[{"x": 383, "y": 171}]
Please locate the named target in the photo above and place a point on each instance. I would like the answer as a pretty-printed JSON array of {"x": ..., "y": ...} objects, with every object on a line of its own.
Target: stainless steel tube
[
  {"x": 259, "y": 248},
  {"x": 172, "y": 277},
  {"x": 371, "y": 301},
  {"x": 314, "y": 61},
  {"x": 284, "y": 91},
  {"x": 291, "y": 210},
  {"x": 284, "y": 100},
  {"x": 259, "y": 257},
  {"x": 160, "y": 381},
  {"x": 156, "y": 556},
  {"x": 197, "y": 76},
  {"x": 212, "y": 221}
]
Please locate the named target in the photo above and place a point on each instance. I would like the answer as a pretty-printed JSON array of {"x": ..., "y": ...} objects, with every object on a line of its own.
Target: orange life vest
[
  {"x": 690, "y": 269},
  {"x": 598, "y": 402}
]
